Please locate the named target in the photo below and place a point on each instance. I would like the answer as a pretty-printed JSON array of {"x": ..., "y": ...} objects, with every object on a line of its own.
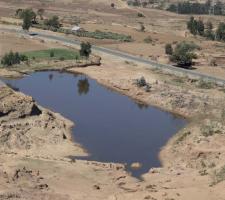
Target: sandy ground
[
  {"x": 35, "y": 145},
  {"x": 36, "y": 142},
  {"x": 163, "y": 27}
]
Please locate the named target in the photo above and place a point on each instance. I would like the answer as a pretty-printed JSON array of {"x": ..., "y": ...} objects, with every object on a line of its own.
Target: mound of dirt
[{"x": 25, "y": 125}]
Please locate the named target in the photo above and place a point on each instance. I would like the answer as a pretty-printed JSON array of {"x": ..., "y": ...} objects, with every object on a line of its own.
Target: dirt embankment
[
  {"x": 35, "y": 143},
  {"x": 193, "y": 160}
]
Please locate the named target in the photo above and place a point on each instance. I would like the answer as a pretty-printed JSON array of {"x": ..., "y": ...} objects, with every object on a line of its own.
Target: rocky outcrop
[{"x": 25, "y": 125}]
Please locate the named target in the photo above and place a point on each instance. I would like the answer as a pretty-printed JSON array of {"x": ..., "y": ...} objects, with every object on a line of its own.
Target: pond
[{"x": 110, "y": 126}]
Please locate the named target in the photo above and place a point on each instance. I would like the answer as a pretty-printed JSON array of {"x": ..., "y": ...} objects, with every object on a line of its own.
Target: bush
[
  {"x": 141, "y": 82},
  {"x": 140, "y": 15},
  {"x": 168, "y": 49},
  {"x": 11, "y": 58}
]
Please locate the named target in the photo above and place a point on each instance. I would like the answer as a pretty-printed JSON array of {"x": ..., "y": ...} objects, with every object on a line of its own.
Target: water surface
[{"x": 112, "y": 127}]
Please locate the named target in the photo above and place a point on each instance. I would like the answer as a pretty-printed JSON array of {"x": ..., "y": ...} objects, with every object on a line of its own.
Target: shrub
[
  {"x": 141, "y": 82},
  {"x": 53, "y": 23},
  {"x": 205, "y": 84},
  {"x": 140, "y": 15},
  {"x": 11, "y": 58}
]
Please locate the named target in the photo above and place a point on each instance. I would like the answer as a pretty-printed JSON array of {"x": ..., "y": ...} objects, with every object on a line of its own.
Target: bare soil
[{"x": 192, "y": 161}]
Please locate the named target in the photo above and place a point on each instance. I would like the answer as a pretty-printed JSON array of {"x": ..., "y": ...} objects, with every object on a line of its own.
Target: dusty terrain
[
  {"x": 36, "y": 142},
  {"x": 163, "y": 27}
]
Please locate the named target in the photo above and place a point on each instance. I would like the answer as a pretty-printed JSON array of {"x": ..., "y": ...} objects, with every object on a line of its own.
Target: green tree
[
  {"x": 200, "y": 27},
  {"x": 29, "y": 12},
  {"x": 168, "y": 49},
  {"x": 209, "y": 31},
  {"x": 183, "y": 54},
  {"x": 220, "y": 32},
  {"x": 192, "y": 26},
  {"x": 85, "y": 49},
  {"x": 29, "y": 17},
  {"x": 27, "y": 22},
  {"x": 11, "y": 58},
  {"x": 53, "y": 22}
]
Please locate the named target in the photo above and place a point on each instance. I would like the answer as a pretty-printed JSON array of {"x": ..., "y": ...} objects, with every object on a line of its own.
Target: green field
[{"x": 53, "y": 54}]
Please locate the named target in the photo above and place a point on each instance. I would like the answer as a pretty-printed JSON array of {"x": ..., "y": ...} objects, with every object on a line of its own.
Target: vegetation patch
[
  {"x": 11, "y": 58},
  {"x": 206, "y": 8},
  {"x": 211, "y": 128},
  {"x": 183, "y": 136},
  {"x": 141, "y": 82},
  {"x": 55, "y": 54},
  {"x": 205, "y": 84},
  {"x": 219, "y": 176}
]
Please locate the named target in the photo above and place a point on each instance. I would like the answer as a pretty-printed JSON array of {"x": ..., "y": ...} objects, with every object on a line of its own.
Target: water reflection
[
  {"x": 141, "y": 106},
  {"x": 83, "y": 86},
  {"x": 13, "y": 87},
  {"x": 50, "y": 77}
]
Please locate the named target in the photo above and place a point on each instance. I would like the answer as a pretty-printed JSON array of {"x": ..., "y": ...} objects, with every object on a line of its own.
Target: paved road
[{"x": 125, "y": 56}]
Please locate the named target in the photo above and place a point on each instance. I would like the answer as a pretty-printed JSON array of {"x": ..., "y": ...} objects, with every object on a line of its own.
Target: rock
[
  {"x": 154, "y": 170},
  {"x": 97, "y": 187},
  {"x": 136, "y": 165}
]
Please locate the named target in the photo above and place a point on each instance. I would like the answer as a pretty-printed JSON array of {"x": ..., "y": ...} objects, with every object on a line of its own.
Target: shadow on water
[{"x": 110, "y": 126}]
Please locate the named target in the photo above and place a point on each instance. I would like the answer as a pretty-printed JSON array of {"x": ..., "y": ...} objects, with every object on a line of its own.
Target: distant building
[{"x": 76, "y": 29}]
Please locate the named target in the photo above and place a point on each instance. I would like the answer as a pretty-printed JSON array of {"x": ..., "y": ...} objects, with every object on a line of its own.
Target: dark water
[{"x": 112, "y": 127}]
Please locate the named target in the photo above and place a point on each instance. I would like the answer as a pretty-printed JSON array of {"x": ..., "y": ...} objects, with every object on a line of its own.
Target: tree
[
  {"x": 168, "y": 49},
  {"x": 183, "y": 54},
  {"x": 192, "y": 26},
  {"x": 85, "y": 49},
  {"x": 220, "y": 32},
  {"x": 200, "y": 27},
  {"x": 40, "y": 12},
  {"x": 209, "y": 31},
  {"x": 53, "y": 22},
  {"x": 29, "y": 12},
  {"x": 29, "y": 17},
  {"x": 27, "y": 22},
  {"x": 11, "y": 58}
]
